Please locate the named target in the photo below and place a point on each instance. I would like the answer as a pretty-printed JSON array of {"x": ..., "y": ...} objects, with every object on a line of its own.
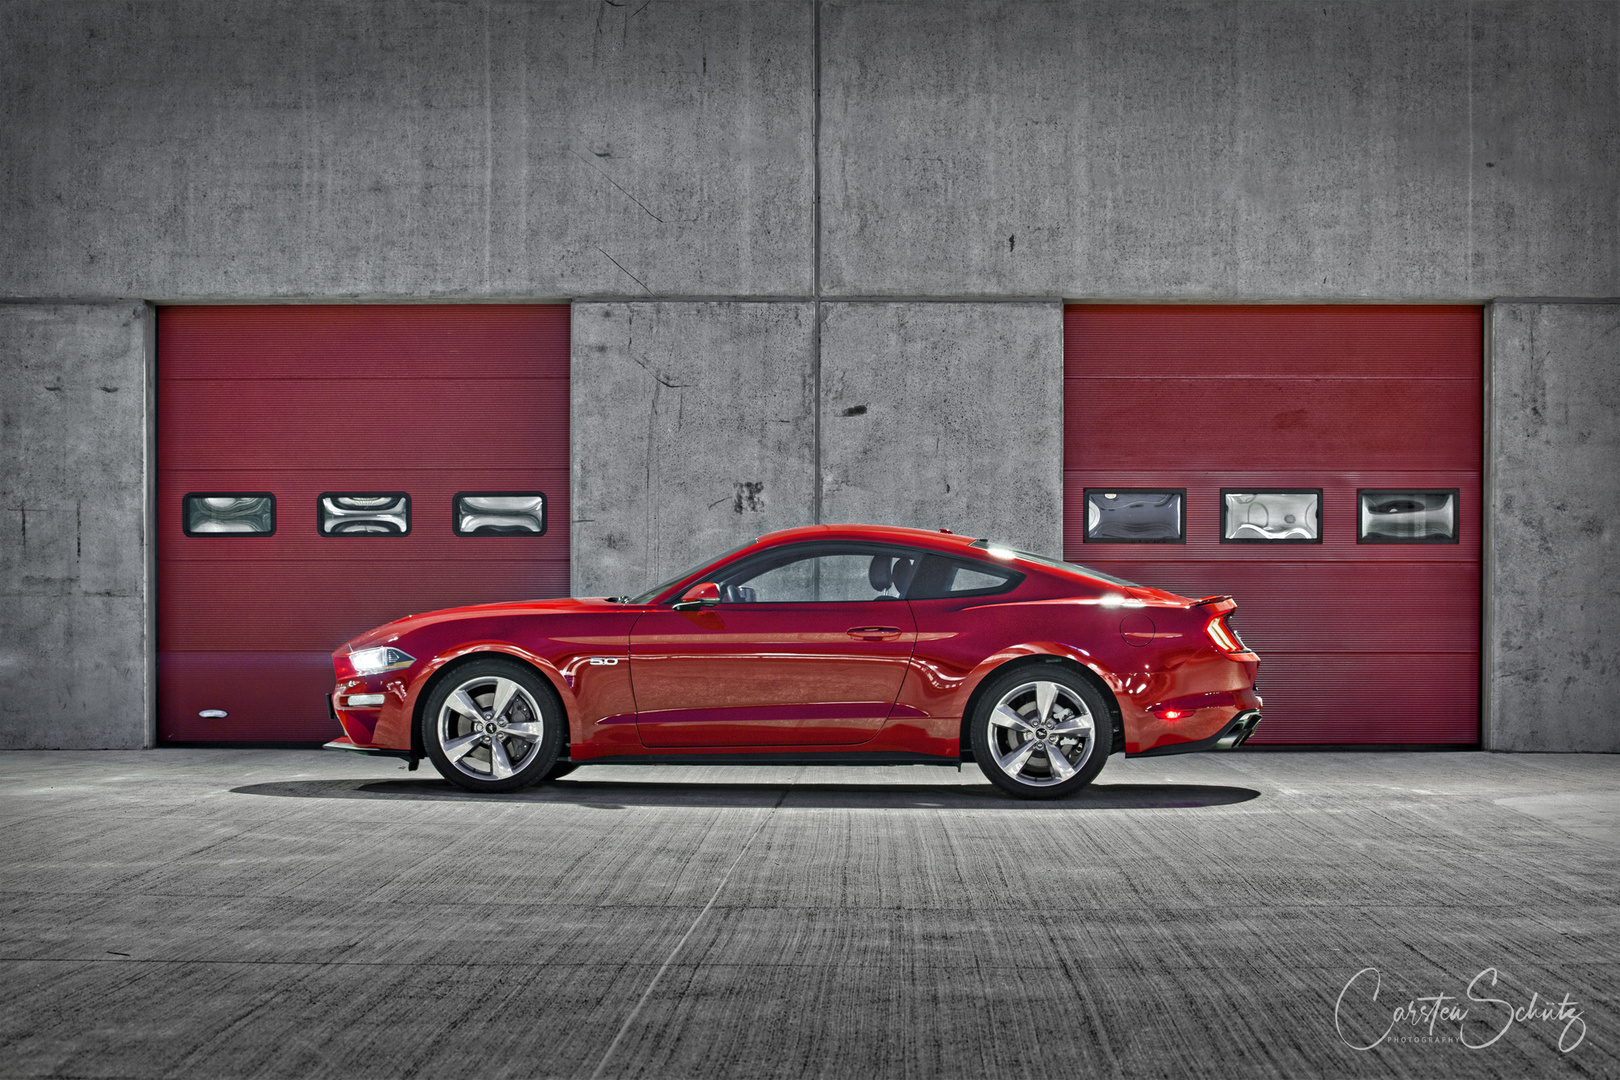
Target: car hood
[{"x": 411, "y": 623}]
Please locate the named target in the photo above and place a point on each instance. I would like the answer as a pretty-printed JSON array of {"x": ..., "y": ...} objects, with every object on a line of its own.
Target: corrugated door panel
[
  {"x": 1362, "y": 643},
  {"x": 300, "y": 401},
  {"x": 1378, "y": 424}
]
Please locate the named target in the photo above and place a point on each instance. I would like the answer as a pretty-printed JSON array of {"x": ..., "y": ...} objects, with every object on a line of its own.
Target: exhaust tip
[{"x": 1238, "y": 733}]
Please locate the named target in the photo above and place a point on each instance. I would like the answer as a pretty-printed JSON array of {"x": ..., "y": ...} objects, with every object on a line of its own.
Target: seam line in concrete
[
  {"x": 77, "y": 301},
  {"x": 815, "y": 264},
  {"x": 1468, "y": 246},
  {"x": 1555, "y": 300},
  {"x": 679, "y": 945},
  {"x": 813, "y": 298},
  {"x": 786, "y": 298}
]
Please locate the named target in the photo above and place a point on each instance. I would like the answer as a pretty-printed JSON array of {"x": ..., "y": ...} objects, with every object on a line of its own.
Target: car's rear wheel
[
  {"x": 1040, "y": 732},
  {"x": 492, "y": 725}
]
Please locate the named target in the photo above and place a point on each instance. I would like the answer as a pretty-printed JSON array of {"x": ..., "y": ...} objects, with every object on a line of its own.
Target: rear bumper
[{"x": 1230, "y": 737}]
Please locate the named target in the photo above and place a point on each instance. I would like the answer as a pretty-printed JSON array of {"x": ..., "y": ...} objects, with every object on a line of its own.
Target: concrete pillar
[
  {"x": 75, "y": 663},
  {"x": 1553, "y": 577}
]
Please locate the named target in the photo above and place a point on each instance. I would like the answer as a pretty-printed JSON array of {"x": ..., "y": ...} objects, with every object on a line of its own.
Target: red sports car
[{"x": 833, "y": 644}]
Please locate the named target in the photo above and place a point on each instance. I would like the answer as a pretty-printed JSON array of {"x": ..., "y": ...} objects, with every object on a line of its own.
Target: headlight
[{"x": 387, "y": 658}]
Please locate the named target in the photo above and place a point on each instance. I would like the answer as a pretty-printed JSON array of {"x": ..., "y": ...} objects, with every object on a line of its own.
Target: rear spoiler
[{"x": 1219, "y": 603}]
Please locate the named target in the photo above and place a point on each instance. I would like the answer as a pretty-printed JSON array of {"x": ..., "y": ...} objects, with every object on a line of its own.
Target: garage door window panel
[
  {"x": 1136, "y": 515},
  {"x": 229, "y": 513},
  {"x": 365, "y": 513},
  {"x": 1271, "y": 516},
  {"x": 499, "y": 513},
  {"x": 1406, "y": 516}
]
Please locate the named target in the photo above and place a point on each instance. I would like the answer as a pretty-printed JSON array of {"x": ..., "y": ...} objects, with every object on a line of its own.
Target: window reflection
[
  {"x": 1141, "y": 516},
  {"x": 368, "y": 513},
  {"x": 229, "y": 514},
  {"x": 500, "y": 513},
  {"x": 1406, "y": 516},
  {"x": 1271, "y": 516}
]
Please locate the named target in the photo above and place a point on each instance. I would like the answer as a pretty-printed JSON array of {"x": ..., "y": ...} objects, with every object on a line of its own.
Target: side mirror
[{"x": 699, "y": 596}]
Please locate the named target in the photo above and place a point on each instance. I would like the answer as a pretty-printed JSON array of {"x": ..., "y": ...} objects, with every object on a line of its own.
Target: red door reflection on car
[{"x": 807, "y": 646}]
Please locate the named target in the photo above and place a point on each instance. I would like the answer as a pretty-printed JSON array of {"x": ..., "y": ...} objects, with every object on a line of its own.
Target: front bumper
[
  {"x": 345, "y": 743},
  {"x": 372, "y": 708}
]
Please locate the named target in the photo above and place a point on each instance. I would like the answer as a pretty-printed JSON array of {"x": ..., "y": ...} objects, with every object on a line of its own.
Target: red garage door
[
  {"x": 1259, "y": 426},
  {"x": 325, "y": 469}
]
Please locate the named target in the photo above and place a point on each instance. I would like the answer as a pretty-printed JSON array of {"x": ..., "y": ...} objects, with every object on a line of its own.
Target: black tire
[
  {"x": 1011, "y": 740},
  {"x": 561, "y": 769},
  {"x": 526, "y": 735}
]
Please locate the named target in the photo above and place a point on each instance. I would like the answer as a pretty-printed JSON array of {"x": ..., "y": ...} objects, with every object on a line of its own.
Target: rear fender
[{"x": 1047, "y": 652}]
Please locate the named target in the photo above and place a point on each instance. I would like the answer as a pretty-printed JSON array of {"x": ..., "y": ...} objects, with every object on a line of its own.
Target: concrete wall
[
  {"x": 1221, "y": 150},
  {"x": 73, "y": 550},
  {"x": 695, "y": 427},
  {"x": 693, "y": 430},
  {"x": 945, "y": 415},
  {"x": 1555, "y": 517},
  {"x": 414, "y": 149},
  {"x": 570, "y": 149},
  {"x": 659, "y": 164}
]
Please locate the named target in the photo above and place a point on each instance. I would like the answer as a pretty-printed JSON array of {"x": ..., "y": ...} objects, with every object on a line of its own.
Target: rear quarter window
[{"x": 940, "y": 576}]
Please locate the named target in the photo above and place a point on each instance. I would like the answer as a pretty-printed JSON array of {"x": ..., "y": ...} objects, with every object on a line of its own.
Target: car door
[{"x": 807, "y": 647}]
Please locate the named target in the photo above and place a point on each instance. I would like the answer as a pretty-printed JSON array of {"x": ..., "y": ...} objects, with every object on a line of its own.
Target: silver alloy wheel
[
  {"x": 1041, "y": 733},
  {"x": 490, "y": 727}
]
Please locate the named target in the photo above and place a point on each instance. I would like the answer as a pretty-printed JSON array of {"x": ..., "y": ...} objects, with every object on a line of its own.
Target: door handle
[{"x": 873, "y": 633}]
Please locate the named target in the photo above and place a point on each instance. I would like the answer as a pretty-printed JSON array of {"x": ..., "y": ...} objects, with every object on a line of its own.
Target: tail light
[{"x": 1224, "y": 637}]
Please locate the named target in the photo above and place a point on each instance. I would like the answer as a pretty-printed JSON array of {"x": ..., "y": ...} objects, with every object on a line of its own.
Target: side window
[
  {"x": 940, "y": 576},
  {"x": 228, "y": 513},
  {"x": 971, "y": 579},
  {"x": 820, "y": 573}
]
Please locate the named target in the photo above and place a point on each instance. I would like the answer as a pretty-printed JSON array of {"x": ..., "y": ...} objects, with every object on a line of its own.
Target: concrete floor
[{"x": 270, "y": 913}]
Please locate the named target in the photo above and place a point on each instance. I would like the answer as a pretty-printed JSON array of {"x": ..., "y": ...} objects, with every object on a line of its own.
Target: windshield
[
  {"x": 1056, "y": 564},
  {"x": 648, "y": 596}
]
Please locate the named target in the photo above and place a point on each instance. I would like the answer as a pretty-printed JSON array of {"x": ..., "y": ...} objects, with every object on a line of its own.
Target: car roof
[{"x": 936, "y": 539}]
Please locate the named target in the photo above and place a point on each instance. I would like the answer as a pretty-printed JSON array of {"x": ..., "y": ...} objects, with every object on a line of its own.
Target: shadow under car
[{"x": 612, "y": 794}]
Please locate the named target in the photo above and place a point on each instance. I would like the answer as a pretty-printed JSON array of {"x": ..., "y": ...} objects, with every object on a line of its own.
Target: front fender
[
  {"x": 395, "y": 727},
  {"x": 585, "y": 690}
]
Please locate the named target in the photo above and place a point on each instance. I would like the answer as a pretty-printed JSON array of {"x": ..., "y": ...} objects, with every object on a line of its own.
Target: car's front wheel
[
  {"x": 1040, "y": 732},
  {"x": 492, "y": 725}
]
